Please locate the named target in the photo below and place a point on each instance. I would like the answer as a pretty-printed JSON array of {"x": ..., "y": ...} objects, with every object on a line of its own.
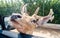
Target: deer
[
  {"x": 29, "y": 23},
  {"x": 25, "y": 23}
]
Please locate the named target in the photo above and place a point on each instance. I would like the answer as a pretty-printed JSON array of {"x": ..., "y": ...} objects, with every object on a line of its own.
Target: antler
[
  {"x": 51, "y": 12},
  {"x": 24, "y": 9},
  {"x": 36, "y": 11},
  {"x": 45, "y": 19}
]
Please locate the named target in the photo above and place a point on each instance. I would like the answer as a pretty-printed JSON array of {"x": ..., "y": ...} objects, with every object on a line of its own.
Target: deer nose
[
  {"x": 18, "y": 16},
  {"x": 15, "y": 16}
]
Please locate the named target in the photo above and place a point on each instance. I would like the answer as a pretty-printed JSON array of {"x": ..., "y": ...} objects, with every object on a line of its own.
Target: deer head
[{"x": 25, "y": 21}]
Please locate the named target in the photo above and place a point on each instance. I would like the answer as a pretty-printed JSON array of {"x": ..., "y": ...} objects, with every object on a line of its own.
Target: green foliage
[{"x": 6, "y": 8}]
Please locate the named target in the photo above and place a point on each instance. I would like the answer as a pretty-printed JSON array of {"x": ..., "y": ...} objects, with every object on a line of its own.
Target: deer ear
[{"x": 24, "y": 9}]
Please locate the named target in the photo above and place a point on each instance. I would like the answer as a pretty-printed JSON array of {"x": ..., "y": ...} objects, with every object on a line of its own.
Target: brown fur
[{"x": 25, "y": 25}]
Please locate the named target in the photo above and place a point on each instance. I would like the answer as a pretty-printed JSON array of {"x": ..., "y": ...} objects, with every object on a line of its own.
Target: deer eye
[
  {"x": 37, "y": 19},
  {"x": 34, "y": 21}
]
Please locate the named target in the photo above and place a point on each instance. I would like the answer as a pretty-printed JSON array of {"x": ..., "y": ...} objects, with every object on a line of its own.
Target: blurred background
[{"x": 7, "y": 7}]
